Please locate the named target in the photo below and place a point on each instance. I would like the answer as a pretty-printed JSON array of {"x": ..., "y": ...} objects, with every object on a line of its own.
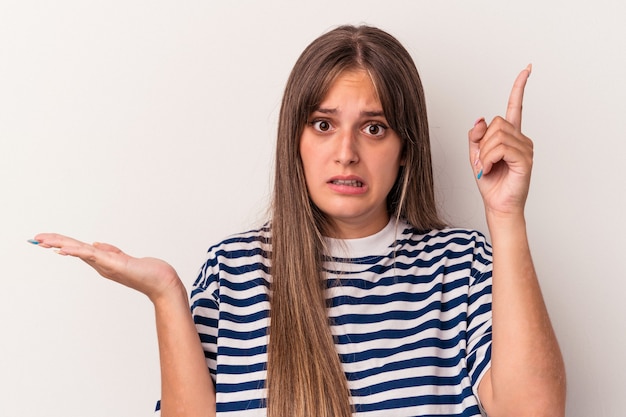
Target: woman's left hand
[{"x": 502, "y": 156}]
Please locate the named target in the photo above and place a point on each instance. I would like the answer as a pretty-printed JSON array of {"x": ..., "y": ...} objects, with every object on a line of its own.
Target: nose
[{"x": 347, "y": 148}]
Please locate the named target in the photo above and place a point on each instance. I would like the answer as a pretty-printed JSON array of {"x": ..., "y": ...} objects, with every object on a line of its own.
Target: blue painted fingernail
[
  {"x": 480, "y": 175},
  {"x": 33, "y": 241}
]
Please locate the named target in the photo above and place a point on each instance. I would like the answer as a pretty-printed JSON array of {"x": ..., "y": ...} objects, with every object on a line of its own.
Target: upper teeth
[{"x": 353, "y": 183}]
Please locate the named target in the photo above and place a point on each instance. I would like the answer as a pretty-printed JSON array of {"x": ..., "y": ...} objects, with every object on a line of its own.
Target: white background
[{"x": 150, "y": 124}]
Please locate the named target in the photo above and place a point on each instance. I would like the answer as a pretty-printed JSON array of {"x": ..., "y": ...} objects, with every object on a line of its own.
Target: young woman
[{"x": 355, "y": 298}]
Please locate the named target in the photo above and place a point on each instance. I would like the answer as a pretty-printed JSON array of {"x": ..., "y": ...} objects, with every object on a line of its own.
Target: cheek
[
  {"x": 313, "y": 158},
  {"x": 305, "y": 148},
  {"x": 392, "y": 177},
  {"x": 391, "y": 165}
]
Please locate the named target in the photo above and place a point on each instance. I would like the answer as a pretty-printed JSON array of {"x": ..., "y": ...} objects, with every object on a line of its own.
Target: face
[{"x": 351, "y": 157}]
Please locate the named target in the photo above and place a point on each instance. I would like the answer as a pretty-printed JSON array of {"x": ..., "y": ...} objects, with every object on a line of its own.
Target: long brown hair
[{"x": 305, "y": 376}]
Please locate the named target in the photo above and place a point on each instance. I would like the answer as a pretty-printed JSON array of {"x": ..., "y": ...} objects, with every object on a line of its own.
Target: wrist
[
  {"x": 173, "y": 294},
  {"x": 509, "y": 224}
]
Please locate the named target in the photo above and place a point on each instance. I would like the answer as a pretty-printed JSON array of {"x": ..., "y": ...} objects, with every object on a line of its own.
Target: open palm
[{"x": 151, "y": 276}]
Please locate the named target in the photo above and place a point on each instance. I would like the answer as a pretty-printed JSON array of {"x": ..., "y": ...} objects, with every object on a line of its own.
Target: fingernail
[
  {"x": 529, "y": 68},
  {"x": 480, "y": 175},
  {"x": 33, "y": 241},
  {"x": 480, "y": 119},
  {"x": 477, "y": 160}
]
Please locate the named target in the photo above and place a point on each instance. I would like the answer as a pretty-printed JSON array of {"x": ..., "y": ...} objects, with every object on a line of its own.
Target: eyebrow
[{"x": 370, "y": 113}]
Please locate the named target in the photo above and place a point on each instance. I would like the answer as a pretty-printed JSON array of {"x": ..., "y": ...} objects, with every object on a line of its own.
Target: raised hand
[
  {"x": 502, "y": 156},
  {"x": 151, "y": 276}
]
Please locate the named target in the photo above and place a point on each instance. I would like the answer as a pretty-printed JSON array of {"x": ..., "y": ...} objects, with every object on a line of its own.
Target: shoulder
[
  {"x": 461, "y": 251},
  {"x": 452, "y": 237},
  {"x": 254, "y": 240},
  {"x": 235, "y": 255}
]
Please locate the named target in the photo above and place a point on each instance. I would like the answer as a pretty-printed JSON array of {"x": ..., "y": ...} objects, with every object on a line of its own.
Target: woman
[{"x": 376, "y": 308}]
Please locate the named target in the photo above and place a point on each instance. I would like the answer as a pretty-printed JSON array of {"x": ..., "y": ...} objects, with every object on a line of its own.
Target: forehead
[{"x": 352, "y": 85}]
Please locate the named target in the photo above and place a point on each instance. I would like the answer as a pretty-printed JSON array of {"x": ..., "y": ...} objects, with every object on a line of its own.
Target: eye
[
  {"x": 375, "y": 129},
  {"x": 321, "y": 125}
]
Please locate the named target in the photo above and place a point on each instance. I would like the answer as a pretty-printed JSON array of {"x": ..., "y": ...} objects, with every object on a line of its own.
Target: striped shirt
[{"x": 410, "y": 312}]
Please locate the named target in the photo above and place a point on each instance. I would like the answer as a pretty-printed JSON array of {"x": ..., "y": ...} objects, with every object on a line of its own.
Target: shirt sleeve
[
  {"x": 479, "y": 329},
  {"x": 205, "y": 303}
]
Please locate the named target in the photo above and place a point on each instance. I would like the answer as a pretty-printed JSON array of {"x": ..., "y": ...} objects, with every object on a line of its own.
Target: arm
[
  {"x": 186, "y": 385},
  {"x": 187, "y": 388},
  {"x": 527, "y": 376}
]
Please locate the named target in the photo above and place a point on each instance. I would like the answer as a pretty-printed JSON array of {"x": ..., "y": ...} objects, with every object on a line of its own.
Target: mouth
[{"x": 349, "y": 183}]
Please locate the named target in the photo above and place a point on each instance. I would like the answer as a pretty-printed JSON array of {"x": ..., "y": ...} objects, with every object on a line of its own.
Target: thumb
[
  {"x": 475, "y": 135},
  {"x": 106, "y": 247}
]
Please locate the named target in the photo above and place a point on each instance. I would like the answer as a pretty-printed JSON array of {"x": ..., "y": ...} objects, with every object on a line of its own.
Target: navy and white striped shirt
[{"x": 411, "y": 316}]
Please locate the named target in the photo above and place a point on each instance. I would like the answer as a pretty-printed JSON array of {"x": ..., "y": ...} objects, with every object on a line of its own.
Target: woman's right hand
[
  {"x": 153, "y": 277},
  {"x": 187, "y": 388}
]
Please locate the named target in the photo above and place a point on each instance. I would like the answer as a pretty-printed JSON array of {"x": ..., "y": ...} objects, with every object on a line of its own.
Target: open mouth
[{"x": 349, "y": 183}]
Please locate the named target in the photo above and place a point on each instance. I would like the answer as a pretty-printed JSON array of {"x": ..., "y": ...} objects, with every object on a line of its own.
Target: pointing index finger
[{"x": 514, "y": 107}]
